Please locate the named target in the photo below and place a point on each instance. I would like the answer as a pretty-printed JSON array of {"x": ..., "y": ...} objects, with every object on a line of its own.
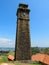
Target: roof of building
[
  {"x": 10, "y": 57},
  {"x": 44, "y": 58},
  {"x": 25, "y": 5}
]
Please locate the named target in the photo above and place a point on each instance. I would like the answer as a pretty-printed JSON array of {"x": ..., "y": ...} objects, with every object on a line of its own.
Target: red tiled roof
[
  {"x": 10, "y": 57},
  {"x": 44, "y": 58},
  {"x": 38, "y": 57}
]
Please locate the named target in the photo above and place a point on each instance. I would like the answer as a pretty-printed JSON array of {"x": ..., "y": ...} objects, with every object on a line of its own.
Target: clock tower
[{"x": 22, "y": 45}]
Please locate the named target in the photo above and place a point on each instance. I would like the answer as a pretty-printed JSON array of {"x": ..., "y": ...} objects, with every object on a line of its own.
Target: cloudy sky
[{"x": 39, "y": 22}]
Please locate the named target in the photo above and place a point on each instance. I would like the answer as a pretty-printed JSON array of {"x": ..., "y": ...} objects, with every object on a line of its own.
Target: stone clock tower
[{"x": 22, "y": 45}]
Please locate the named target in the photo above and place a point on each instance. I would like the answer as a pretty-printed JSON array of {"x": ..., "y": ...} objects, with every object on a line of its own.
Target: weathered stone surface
[{"x": 22, "y": 46}]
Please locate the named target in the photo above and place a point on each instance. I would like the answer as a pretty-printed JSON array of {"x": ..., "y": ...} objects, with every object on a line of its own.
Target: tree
[{"x": 35, "y": 50}]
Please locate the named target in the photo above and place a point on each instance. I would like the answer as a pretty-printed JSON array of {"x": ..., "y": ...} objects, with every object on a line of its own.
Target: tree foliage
[{"x": 35, "y": 50}]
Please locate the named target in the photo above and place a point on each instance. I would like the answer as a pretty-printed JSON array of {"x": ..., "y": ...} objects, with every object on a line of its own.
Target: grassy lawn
[
  {"x": 4, "y": 59},
  {"x": 18, "y": 64},
  {"x": 27, "y": 64}
]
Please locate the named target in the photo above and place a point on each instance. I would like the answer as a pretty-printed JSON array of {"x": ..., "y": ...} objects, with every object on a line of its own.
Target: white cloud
[{"x": 7, "y": 42}]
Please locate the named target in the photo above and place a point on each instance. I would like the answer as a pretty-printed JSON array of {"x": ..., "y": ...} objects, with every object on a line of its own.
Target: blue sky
[{"x": 39, "y": 22}]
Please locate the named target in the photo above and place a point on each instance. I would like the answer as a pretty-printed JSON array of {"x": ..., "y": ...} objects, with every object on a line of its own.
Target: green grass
[
  {"x": 27, "y": 64},
  {"x": 11, "y": 53},
  {"x": 36, "y": 64},
  {"x": 4, "y": 58}
]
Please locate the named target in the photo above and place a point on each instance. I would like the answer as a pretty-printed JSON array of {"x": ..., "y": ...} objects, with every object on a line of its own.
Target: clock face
[{"x": 24, "y": 14}]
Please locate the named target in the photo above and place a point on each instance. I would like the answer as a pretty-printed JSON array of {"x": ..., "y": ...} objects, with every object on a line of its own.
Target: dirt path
[
  {"x": 14, "y": 64},
  {"x": 6, "y": 64}
]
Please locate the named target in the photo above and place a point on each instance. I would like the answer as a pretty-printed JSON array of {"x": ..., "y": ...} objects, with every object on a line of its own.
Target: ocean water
[{"x": 6, "y": 49}]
